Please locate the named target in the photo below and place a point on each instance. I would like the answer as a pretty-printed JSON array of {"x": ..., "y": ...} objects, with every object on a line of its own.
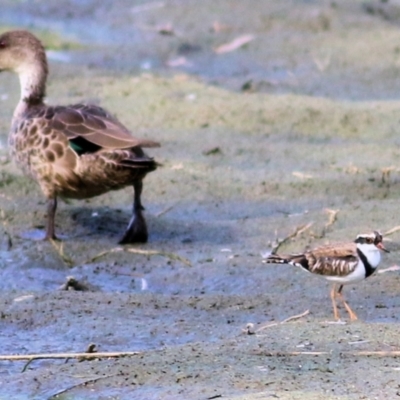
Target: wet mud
[{"x": 256, "y": 143}]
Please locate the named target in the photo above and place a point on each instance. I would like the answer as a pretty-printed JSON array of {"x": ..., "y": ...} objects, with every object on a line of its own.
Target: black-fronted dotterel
[{"x": 341, "y": 263}]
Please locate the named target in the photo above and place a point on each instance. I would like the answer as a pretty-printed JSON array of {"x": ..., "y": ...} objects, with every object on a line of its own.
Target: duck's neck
[{"x": 33, "y": 87}]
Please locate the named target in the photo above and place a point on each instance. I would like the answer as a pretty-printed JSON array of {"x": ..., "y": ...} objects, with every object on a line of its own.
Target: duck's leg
[
  {"x": 333, "y": 298},
  {"x": 51, "y": 213},
  {"x": 137, "y": 228},
  {"x": 352, "y": 314}
]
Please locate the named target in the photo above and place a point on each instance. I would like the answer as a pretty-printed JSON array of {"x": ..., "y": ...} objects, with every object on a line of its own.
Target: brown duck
[{"x": 77, "y": 151}]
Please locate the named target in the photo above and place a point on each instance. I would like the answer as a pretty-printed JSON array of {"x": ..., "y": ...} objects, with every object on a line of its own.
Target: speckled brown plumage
[
  {"x": 337, "y": 260},
  {"x": 77, "y": 151}
]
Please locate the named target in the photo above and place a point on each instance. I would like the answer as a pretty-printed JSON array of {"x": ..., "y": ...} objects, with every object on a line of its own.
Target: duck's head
[{"x": 20, "y": 51}]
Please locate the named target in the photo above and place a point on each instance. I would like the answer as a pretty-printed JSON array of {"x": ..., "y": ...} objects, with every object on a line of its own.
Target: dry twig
[
  {"x": 91, "y": 349},
  {"x": 250, "y": 327},
  {"x": 332, "y": 217},
  {"x": 70, "y": 262},
  {"x": 389, "y": 269},
  {"x": 84, "y": 383},
  {"x": 60, "y": 250},
  {"x": 83, "y": 356},
  {"x": 162, "y": 212},
  {"x": 301, "y": 175},
  {"x": 298, "y": 231},
  {"x": 234, "y": 44},
  {"x": 391, "y": 231},
  {"x": 171, "y": 256},
  {"x": 393, "y": 353}
]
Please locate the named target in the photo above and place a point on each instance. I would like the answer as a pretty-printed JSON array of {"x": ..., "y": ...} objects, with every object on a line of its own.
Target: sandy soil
[{"x": 255, "y": 143}]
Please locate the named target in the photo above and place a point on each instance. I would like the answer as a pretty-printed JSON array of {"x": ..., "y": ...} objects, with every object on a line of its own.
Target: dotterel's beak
[{"x": 380, "y": 246}]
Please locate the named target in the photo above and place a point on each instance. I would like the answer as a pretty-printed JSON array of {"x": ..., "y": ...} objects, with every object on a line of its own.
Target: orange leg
[
  {"x": 333, "y": 298},
  {"x": 352, "y": 314}
]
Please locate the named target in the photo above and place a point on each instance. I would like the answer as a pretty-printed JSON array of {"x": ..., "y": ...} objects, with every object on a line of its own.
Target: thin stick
[
  {"x": 391, "y": 231},
  {"x": 172, "y": 256},
  {"x": 102, "y": 254},
  {"x": 162, "y": 212},
  {"x": 83, "y": 356},
  {"x": 394, "y": 353},
  {"x": 298, "y": 231},
  {"x": 389, "y": 269},
  {"x": 80, "y": 384},
  {"x": 250, "y": 327},
  {"x": 332, "y": 217},
  {"x": 294, "y": 317},
  {"x": 90, "y": 350},
  {"x": 27, "y": 364},
  {"x": 60, "y": 250}
]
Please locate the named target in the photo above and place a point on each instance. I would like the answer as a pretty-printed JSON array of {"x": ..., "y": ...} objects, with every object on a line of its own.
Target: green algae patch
[{"x": 186, "y": 103}]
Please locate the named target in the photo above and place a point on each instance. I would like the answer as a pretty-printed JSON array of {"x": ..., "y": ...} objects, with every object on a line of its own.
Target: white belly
[{"x": 356, "y": 276}]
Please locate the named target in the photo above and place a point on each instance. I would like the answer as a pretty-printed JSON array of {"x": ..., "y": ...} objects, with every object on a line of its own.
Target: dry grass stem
[
  {"x": 389, "y": 269},
  {"x": 301, "y": 175},
  {"x": 171, "y": 256},
  {"x": 83, "y": 383},
  {"x": 83, "y": 356},
  {"x": 391, "y": 231},
  {"x": 332, "y": 217},
  {"x": 250, "y": 327},
  {"x": 234, "y": 44},
  {"x": 298, "y": 231},
  {"x": 60, "y": 251},
  {"x": 162, "y": 212},
  {"x": 70, "y": 262},
  {"x": 91, "y": 349},
  {"x": 393, "y": 353}
]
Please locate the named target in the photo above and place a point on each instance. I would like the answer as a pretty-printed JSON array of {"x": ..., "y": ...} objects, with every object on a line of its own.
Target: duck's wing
[{"x": 90, "y": 127}]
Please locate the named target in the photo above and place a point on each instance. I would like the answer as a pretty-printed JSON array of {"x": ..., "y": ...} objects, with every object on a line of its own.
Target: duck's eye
[
  {"x": 3, "y": 44},
  {"x": 369, "y": 240}
]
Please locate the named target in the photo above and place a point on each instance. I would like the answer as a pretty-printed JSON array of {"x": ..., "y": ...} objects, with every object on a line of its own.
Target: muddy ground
[{"x": 256, "y": 143}]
